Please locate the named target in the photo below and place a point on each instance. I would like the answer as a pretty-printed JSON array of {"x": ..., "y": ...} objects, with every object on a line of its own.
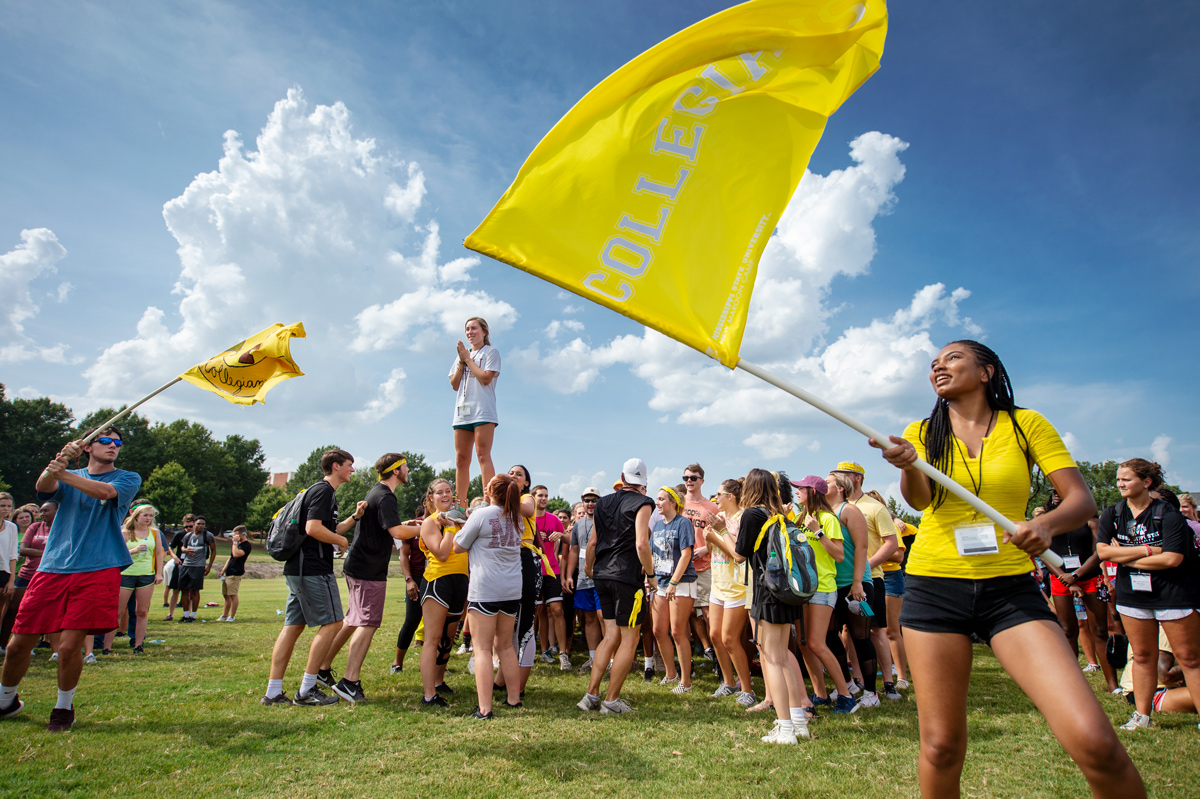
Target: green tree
[
  {"x": 32, "y": 431},
  {"x": 412, "y": 494},
  {"x": 894, "y": 508},
  {"x": 474, "y": 488},
  {"x": 556, "y": 504},
  {"x": 170, "y": 489},
  {"x": 308, "y": 472},
  {"x": 266, "y": 502}
]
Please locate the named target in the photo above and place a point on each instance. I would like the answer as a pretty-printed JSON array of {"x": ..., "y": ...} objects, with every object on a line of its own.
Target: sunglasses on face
[
  {"x": 116, "y": 442},
  {"x": 690, "y": 477},
  {"x": 590, "y": 501}
]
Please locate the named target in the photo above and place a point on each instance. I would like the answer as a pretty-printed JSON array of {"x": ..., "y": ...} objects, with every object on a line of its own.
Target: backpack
[
  {"x": 790, "y": 571},
  {"x": 286, "y": 532}
]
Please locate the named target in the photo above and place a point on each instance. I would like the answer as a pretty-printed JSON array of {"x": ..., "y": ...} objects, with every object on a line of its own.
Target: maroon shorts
[
  {"x": 366, "y": 602},
  {"x": 79, "y": 601}
]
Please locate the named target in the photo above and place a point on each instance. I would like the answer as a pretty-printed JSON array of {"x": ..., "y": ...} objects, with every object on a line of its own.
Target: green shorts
[{"x": 471, "y": 427}]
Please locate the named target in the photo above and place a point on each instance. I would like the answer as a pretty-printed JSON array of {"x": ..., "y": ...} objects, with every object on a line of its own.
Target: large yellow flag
[
  {"x": 244, "y": 373},
  {"x": 655, "y": 195}
]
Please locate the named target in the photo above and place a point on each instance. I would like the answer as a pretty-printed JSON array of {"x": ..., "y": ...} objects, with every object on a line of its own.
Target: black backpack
[{"x": 286, "y": 533}]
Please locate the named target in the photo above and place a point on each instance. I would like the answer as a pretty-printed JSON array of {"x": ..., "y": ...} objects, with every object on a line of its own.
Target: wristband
[
  {"x": 1149, "y": 551},
  {"x": 672, "y": 582}
]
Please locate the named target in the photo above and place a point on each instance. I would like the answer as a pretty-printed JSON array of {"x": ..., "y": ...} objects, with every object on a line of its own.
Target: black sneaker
[
  {"x": 61, "y": 719},
  {"x": 499, "y": 689},
  {"x": 437, "y": 701},
  {"x": 513, "y": 707},
  {"x": 648, "y": 674},
  {"x": 482, "y": 716},
  {"x": 15, "y": 707},
  {"x": 314, "y": 698},
  {"x": 105, "y": 651},
  {"x": 350, "y": 691},
  {"x": 139, "y": 650},
  {"x": 442, "y": 688},
  {"x": 279, "y": 699},
  {"x": 325, "y": 677}
]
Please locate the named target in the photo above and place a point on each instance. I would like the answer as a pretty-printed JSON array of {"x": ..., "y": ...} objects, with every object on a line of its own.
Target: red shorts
[
  {"x": 80, "y": 601},
  {"x": 1089, "y": 586}
]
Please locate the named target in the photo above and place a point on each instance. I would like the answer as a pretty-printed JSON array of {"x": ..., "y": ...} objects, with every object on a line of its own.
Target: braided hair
[{"x": 937, "y": 433}]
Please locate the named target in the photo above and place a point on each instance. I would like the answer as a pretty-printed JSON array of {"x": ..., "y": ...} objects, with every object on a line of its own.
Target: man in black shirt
[
  {"x": 366, "y": 572},
  {"x": 619, "y": 561},
  {"x": 232, "y": 572},
  {"x": 313, "y": 597}
]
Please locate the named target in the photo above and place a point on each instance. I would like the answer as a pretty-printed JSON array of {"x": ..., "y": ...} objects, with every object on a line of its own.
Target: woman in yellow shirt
[
  {"x": 965, "y": 575},
  {"x": 444, "y": 598}
]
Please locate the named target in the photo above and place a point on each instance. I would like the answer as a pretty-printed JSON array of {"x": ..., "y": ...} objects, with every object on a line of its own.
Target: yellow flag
[
  {"x": 244, "y": 373},
  {"x": 655, "y": 195}
]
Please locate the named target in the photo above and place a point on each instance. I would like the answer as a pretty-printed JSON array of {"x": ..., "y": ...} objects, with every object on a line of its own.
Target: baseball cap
[
  {"x": 817, "y": 484},
  {"x": 634, "y": 472},
  {"x": 590, "y": 491},
  {"x": 851, "y": 467}
]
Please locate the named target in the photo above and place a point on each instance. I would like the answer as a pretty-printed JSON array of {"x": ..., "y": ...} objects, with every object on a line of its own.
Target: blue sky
[{"x": 1039, "y": 158}]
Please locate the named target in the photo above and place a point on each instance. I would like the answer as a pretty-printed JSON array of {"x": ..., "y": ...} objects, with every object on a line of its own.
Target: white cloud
[
  {"x": 36, "y": 256},
  {"x": 554, "y": 328},
  {"x": 774, "y": 445},
  {"x": 1159, "y": 450},
  {"x": 572, "y": 489},
  {"x": 1071, "y": 443},
  {"x": 315, "y": 225},
  {"x": 663, "y": 476}
]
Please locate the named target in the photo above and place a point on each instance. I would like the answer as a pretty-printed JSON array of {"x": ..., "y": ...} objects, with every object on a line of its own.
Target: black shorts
[
  {"x": 191, "y": 578},
  {"x": 551, "y": 590},
  {"x": 136, "y": 581},
  {"x": 508, "y": 607},
  {"x": 962, "y": 607},
  {"x": 878, "y": 603},
  {"x": 449, "y": 590},
  {"x": 621, "y": 602},
  {"x": 173, "y": 580}
]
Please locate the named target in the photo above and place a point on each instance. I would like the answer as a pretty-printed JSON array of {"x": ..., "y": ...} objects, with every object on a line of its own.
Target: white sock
[
  {"x": 274, "y": 688},
  {"x": 592, "y": 654},
  {"x": 7, "y": 694},
  {"x": 307, "y": 682},
  {"x": 785, "y": 726},
  {"x": 66, "y": 699},
  {"x": 649, "y": 663}
]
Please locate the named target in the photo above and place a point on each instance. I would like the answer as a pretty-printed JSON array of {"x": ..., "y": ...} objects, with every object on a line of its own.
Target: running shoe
[
  {"x": 1089, "y": 668},
  {"x": 564, "y": 662},
  {"x": 325, "y": 678},
  {"x": 818, "y": 700},
  {"x": 778, "y": 735},
  {"x": 890, "y": 692},
  {"x": 396, "y": 668},
  {"x": 15, "y": 707},
  {"x": 903, "y": 685},
  {"x": 588, "y": 702},
  {"x": 546, "y": 657},
  {"x": 722, "y": 690},
  {"x": 350, "y": 691},
  {"x": 711, "y": 655},
  {"x": 868, "y": 699},
  {"x": 462, "y": 649},
  {"x": 170, "y": 617},
  {"x": 553, "y": 650},
  {"x": 586, "y": 665},
  {"x": 845, "y": 704},
  {"x": 746, "y": 698},
  {"x": 314, "y": 698},
  {"x": 436, "y": 701},
  {"x": 90, "y": 657},
  {"x": 615, "y": 707},
  {"x": 442, "y": 688},
  {"x": 669, "y": 680},
  {"x": 105, "y": 651},
  {"x": 230, "y": 618},
  {"x": 648, "y": 675},
  {"x": 279, "y": 699},
  {"x": 139, "y": 650},
  {"x": 1138, "y": 722},
  {"x": 54, "y": 657},
  {"x": 854, "y": 686},
  {"x": 482, "y": 716},
  {"x": 61, "y": 719},
  {"x": 457, "y": 516},
  {"x": 220, "y": 618},
  {"x": 681, "y": 689}
]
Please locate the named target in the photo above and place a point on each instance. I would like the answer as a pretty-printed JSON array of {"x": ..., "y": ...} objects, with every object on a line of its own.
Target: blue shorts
[
  {"x": 587, "y": 599},
  {"x": 893, "y": 583}
]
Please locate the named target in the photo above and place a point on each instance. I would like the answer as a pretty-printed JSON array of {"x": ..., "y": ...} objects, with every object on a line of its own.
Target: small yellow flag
[
  {"x": 244, "y": 373},
  {"x": 656, "y": 194}
]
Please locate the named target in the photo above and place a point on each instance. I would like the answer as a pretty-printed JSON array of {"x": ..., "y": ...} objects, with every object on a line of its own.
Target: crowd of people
[{"x": 682, "y": 573}]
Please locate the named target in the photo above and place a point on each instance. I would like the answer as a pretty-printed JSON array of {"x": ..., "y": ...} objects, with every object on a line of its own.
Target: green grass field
[{"x": 184, "y": 720}]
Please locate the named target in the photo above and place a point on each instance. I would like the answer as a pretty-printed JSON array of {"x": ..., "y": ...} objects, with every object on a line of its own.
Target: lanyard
[{"x": 978, "y": 487}]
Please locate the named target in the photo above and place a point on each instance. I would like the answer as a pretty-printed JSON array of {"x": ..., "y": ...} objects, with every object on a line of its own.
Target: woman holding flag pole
[{"x": 964, "y": 577}]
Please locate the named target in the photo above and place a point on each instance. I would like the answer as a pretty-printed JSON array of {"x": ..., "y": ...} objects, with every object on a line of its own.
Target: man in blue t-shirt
[{"x": 75, "y": 589}]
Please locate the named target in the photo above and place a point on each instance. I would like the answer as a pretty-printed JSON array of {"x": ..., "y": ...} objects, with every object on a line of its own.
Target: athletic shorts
[
  {"x": 703, "y": 588},
  {"x": 191, "y": 578},
  {"x": 449, "y": 591},
  {"x": 78, "y": 601},
  {"x": 1089, "y": 586},
  {"x": 551, "y": 590},
  {"x": 171, "y": 571},
  {"x": 682, "y": 591},
  {"x": 893, "y": 583},
  {"x": 471, "y": 426},
  {"x": 586, "y": 599},
  {"x": 136, "y": 581},
  {"x": 366, "y": 602},
  {"x": 621, "y": 602},
  {"x": 879, "y": 603},
  {"x": 231, "y": 585},
  {"x": 508, "y": 607},
  {"x": 826, "y": 598},
  {"x": 962, "y": 607},
  {"x": 313, "y": 601},
  {"x": 1157, "y": 614}
]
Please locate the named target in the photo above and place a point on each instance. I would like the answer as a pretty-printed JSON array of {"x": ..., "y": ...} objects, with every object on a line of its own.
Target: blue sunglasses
[{"x": 107, "y": 440}]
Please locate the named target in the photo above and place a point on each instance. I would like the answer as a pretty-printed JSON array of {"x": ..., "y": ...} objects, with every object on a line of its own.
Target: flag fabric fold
[
  {"x": 244, "y": 373},
  {"x": 656, "y": 194}
]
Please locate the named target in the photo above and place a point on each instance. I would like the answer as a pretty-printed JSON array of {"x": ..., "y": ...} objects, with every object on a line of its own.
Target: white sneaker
[
  {"x": 722, "y": 690},
  {"x": 220, "y": 618},
  {"x": 564, "y": 662},
  {"x": 853, "y": 687},
  {"x": 90, "y": 658},
  {"x": 681, "y": 689},
  {"x": 587, "y": 665},
  {"x": 230, "y": 618},
  {"x": 54, "y": 656},
  {"x": 778, "y": 735},
  {"x": 1089, "y": 668},
  {"x": 588, "y": 702},
  {"x": 746, "y": 699},
  {"x": 868, "y": 699},
  {"x": 669, "y": 680},
  {"x": 800, "y": 729},
  {"x": 462, "y": 649},
  {"x": 546, "y": 657},
  {"x": 616, "y": 707},
  {"x": 903, "y": 685},
  {"x": 1138, "y": 722}
]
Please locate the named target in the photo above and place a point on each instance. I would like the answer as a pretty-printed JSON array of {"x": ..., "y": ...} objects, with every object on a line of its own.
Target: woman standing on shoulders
[
  {"x": 1155, "y": 554},
  {"x": 966, "y": 576},
  {"x": 473, "y": 378}
]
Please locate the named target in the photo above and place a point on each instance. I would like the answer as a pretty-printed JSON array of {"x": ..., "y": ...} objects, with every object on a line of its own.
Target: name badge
[
  {"x": 1111, "y": 568},
  {"x": 976, "y": 539},
  {"x": 1140, "y": 581},
  {"x": 1071, "y": 562},
  {"x": 465, "y": 408}
]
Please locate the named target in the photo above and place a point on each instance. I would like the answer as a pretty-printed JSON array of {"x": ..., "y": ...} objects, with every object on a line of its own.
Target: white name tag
[
  {"x": 464, "y": 409},
  {"x": 976, "y": 539},
  {"x": 1071, "y": 562},
  {"x": 1140, "y": 581}
]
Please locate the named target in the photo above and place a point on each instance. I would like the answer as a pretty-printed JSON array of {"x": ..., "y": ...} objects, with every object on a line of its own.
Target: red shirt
[{"x": 35, "y": 537}]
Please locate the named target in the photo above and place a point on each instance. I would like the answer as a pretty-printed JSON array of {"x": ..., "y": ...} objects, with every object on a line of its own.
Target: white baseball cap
[{"x": 634, "y": 472}]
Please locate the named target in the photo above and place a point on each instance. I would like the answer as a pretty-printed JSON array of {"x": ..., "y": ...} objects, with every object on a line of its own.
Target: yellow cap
[{"x": 850, "y": 466}]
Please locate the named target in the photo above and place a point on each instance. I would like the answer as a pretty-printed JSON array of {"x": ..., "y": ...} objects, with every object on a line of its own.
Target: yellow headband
[
  {"x": 391, "y": 468},
  {"x": 674, "y": 496}
]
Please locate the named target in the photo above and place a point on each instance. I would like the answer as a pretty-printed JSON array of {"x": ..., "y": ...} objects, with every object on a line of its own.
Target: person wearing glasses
[
  {"x": 575, "y": 578},
  {"x": 697, "y": 507},
  {"x": 74, "y": 591}
]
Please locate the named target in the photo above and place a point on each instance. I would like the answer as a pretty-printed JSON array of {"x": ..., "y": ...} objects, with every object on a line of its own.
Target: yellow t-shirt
[
  {"x": 879, "y": 525},
  {"x": 455, "y": 562},
  {"x": 826, "y": 565},
  {"x": 1004, "y": 474},
  {"x": 894, "y": 566},
  {"x": 530, "y": 531}
]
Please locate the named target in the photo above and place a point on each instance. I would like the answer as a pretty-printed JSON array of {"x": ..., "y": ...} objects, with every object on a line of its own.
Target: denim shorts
[
  {"x": 893, "y": 583},
  {"x": 827, "y": 598},
  {"x": 962, "y": 607}
]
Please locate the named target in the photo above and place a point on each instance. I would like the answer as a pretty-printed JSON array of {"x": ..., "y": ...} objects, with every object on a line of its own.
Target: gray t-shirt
[
  {"x": 475, "y": 403},
  {"x": 581, "y": 532},
  {"x": 199, "y": 543},
  {"x": 494, "y": 547}
]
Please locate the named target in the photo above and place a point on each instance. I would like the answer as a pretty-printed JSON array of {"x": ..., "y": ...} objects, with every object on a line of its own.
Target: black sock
[{"x": 866, "y": 661}]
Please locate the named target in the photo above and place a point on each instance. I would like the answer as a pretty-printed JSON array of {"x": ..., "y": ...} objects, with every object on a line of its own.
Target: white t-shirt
[
  {"x": 494, "y": 544},
  {"x": 9, "y": 543},
  {"x": 475, "y": 403}
]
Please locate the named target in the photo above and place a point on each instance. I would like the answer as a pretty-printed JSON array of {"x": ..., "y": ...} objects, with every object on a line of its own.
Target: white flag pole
[
  {"x": 954, "y": 488},
  {"x": 129, "y": 410}
]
